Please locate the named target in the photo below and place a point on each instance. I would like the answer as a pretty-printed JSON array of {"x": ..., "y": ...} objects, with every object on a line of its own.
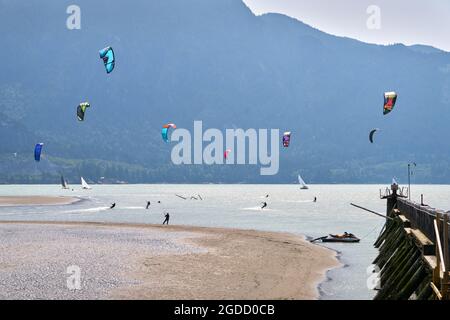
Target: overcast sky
[{"x": 401, "y": 21}]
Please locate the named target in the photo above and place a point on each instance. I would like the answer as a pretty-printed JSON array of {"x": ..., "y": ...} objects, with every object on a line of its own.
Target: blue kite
[
  {"x": 37, "y": 151},
  {"x": 109, "y": 59}
]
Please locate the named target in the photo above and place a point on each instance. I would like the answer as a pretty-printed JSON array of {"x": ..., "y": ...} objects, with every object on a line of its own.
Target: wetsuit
[{"x": 166, "y": 220}]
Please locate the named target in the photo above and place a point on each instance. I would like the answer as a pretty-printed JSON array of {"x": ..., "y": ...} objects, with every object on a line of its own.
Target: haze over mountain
[{"x": 214, "y": 61}]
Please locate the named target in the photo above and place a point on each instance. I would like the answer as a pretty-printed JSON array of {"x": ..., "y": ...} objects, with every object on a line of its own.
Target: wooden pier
[{"x": 414, "y": 251}]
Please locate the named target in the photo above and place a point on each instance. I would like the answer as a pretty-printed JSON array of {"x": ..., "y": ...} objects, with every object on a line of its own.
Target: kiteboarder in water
[
  {"x": 264, "y": 205},
  {"x": 315, "y": 199},
  {"x": 113, "y": 205},
  {"x": 148, "y": 205},
  {"x": 167, "y": 216}
]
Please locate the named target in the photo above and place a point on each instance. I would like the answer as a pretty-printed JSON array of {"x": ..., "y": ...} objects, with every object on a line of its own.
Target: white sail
[
  {"x": 302, "y": 183},
  {"x": 84, "y": 184}
]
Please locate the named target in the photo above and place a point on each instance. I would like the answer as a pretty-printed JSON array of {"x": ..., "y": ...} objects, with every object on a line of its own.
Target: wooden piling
[
  {"x": 445, "y": 284},
  {"x": 413, "y": 251}
]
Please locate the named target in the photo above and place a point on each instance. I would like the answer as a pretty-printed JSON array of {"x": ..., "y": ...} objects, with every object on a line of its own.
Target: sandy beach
[
  {"x": 6, "y": 201},
  {"x": 123, "y": 261}
]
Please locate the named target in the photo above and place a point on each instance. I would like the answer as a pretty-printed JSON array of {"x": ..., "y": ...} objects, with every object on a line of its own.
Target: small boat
[
  {"x": 338, "y": 238},
  {"x": 333, "y": 238},
  {"x": 84, "y": 184},
  {"x": 302, "y": 183},
  {"x": 64, "y": 183}
]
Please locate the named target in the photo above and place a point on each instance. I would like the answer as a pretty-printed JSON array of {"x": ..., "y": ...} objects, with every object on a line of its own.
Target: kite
[
  {"x": 165, "y": 131},
  {"x": 286, "y": 139},
  {"x": 37, "y": 151},
  {"x": 109, "y": 59},
  {"x": 226, "y": 152},
  {"x": 81, "y": 109},
  {"x": 389, "y": 102},
  {"x": 371, "y": 134}
]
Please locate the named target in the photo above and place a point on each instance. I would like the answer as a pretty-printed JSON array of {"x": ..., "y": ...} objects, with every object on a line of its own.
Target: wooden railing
[
  {"x": 435, "y": 225},
  {"x": 440, "y": 284}
]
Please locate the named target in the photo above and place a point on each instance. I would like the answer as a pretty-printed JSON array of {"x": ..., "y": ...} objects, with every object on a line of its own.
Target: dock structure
[{"x": 413, "y": 259}]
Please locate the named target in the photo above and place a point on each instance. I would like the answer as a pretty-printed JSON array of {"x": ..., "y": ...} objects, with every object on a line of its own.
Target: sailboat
[
  {"x": 64, "y": 183},
  {"x": 302, "y": 183},
  {"x": 84, "y": 184}
]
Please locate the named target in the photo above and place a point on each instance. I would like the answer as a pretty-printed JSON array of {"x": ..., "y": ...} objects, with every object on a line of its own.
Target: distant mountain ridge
[{"x": 214, "y": 61}]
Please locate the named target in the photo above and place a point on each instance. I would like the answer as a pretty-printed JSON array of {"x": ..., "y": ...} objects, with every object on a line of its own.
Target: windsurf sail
[
  {"x": 64, "y": 183},
  {"x": 84, "y": 184},
  {"x": 302, "y": 183}
]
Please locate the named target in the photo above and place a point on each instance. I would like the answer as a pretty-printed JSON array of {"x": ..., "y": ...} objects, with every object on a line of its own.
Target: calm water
[{"x": 237, "y": 206}]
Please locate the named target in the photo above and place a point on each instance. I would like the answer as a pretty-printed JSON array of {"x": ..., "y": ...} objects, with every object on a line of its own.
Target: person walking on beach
[
  {"x": 113, "y": 205},
  {"x": 167, "y": 216},
  {"x": 148, "y": 205}
]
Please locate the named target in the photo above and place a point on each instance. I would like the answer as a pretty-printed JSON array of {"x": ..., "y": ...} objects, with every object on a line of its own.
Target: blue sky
[{"x": 401, "y": 21}]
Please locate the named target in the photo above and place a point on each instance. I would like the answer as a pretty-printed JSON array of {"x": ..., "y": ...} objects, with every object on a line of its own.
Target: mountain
[
  {"x": 180, "y": 61},
  {"x": 425, "y": 49}
]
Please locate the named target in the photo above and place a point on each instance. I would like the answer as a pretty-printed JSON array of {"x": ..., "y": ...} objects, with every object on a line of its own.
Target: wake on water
[
  {"x": 99, "y": 209},
  {"x": 89, "y": 210},
  {"x": 257, "y": 209}
]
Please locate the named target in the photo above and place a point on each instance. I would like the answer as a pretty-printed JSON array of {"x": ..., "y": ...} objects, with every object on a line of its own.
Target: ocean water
[{"x": 238, "y": 206}]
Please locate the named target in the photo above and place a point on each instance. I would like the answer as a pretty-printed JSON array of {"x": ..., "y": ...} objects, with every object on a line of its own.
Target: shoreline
[
  {"x": 328, "y": 278},
  {"x": 220, "y": 263},
  {"x": 20, "y": 201}
]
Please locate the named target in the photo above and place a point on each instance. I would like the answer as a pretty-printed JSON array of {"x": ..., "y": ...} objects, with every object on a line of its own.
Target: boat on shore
[{"x": 350, "y": 238}]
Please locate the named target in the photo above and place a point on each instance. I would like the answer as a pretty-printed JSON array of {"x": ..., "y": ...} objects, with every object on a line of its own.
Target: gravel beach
[{"x": 121, "y": 261}]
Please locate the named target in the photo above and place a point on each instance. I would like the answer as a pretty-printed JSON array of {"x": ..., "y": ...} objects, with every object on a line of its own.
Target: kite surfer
[
  {"x": 264, "y": 205},
  {"x": 167, "y": 216},
  {"x": 148, "y": 205},
  {"x": 315, "y": 199},
  {"x": 113, "y": 205}
]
